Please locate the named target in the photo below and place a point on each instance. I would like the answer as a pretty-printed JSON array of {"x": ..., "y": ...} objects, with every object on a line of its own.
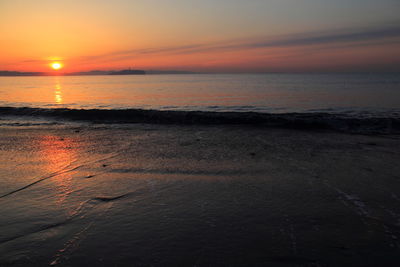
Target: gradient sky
[{"x": 207, "y": 35}]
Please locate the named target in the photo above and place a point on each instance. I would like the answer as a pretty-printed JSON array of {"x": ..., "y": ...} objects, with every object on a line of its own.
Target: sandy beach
[{"x": 169, "y": 195}]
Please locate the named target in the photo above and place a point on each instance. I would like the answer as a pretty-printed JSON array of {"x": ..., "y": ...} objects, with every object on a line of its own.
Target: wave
[{"x": 312, "y": 120}]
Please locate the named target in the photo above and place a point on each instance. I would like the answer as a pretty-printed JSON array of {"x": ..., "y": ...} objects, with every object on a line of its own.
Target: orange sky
[{"x": 211, "y": 36}]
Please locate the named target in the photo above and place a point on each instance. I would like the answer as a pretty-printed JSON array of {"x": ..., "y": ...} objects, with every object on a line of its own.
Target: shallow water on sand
[
  {"x": 276, "y": 93},
  {"x": 141, "y": 195}
]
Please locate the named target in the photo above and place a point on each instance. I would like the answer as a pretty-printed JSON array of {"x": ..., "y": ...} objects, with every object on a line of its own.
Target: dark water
[{"x": 272, "y": 93}]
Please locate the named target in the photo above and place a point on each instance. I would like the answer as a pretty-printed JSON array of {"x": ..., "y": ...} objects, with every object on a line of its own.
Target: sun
[{"x": 56, "y": 65}]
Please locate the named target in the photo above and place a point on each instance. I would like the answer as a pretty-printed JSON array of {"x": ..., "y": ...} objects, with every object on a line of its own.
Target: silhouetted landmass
[
  {"x": 108, "y": 72},
  {"x": 127, "y": 72},
  {"x": 92, "y": 72},
  {"x": 169, "y": 72},
  {"x": 17, "y": 73},
  {"x": 96, "y": 72}
]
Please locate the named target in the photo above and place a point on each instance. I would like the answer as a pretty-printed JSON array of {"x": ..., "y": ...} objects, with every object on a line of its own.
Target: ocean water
[{"x": 265, "y": 93}]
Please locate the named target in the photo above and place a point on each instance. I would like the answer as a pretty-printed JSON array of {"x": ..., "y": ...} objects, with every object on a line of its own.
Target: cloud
[
  {"x": 338, "y": 39},
  {"x": 343, "y": 38},
  {"x": 331, "y": 37}
]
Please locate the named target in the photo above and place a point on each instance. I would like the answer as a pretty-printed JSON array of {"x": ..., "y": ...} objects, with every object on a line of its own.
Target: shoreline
[{"x": 306, "y": 121}]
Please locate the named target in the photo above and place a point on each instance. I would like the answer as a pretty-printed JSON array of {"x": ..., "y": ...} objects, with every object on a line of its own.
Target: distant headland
[
  {"x": 18, "y": 73},
  {"x": 95, "y": 72},
  {"x": 127, "y": 72}
]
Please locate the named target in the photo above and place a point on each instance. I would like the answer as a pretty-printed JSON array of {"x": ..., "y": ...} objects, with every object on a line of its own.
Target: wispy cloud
[
  {"x": 343, "y": 38},
  {"x": 337, "y": 39},
  {"x": 331, "y": 37}
]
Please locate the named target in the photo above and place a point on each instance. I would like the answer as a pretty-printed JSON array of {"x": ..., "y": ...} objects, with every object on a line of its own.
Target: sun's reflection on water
[{"x": 57, "y": 93}]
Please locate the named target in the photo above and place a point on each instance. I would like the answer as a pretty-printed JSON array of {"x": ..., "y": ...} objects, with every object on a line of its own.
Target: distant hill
[
  {"x": 96, "y": 72},
  {"x": 92, "y": 72},
  {"x": 127, "y": 72},
  {"x": 169, "y": 72},
  {"x": 17, "y": 73}
]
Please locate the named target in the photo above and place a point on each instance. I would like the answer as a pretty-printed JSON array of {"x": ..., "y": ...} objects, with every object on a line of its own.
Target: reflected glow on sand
[{"x": 59, "y": 154}]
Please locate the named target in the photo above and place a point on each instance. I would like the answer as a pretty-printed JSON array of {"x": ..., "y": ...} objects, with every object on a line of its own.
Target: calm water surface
[{"x": 374, "y": 93}]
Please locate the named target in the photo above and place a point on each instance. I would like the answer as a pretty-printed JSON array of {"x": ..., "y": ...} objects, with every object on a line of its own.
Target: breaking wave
[{"x": 312, "y": 120}]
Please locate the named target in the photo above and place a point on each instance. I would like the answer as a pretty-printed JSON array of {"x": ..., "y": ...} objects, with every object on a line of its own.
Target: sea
[
  {"x": 348, "y": 102},
  {"x": 265, "y": 93}
]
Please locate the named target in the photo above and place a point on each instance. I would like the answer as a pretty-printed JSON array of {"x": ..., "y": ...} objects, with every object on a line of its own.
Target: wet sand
[{"x": 159, "y": 195}]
